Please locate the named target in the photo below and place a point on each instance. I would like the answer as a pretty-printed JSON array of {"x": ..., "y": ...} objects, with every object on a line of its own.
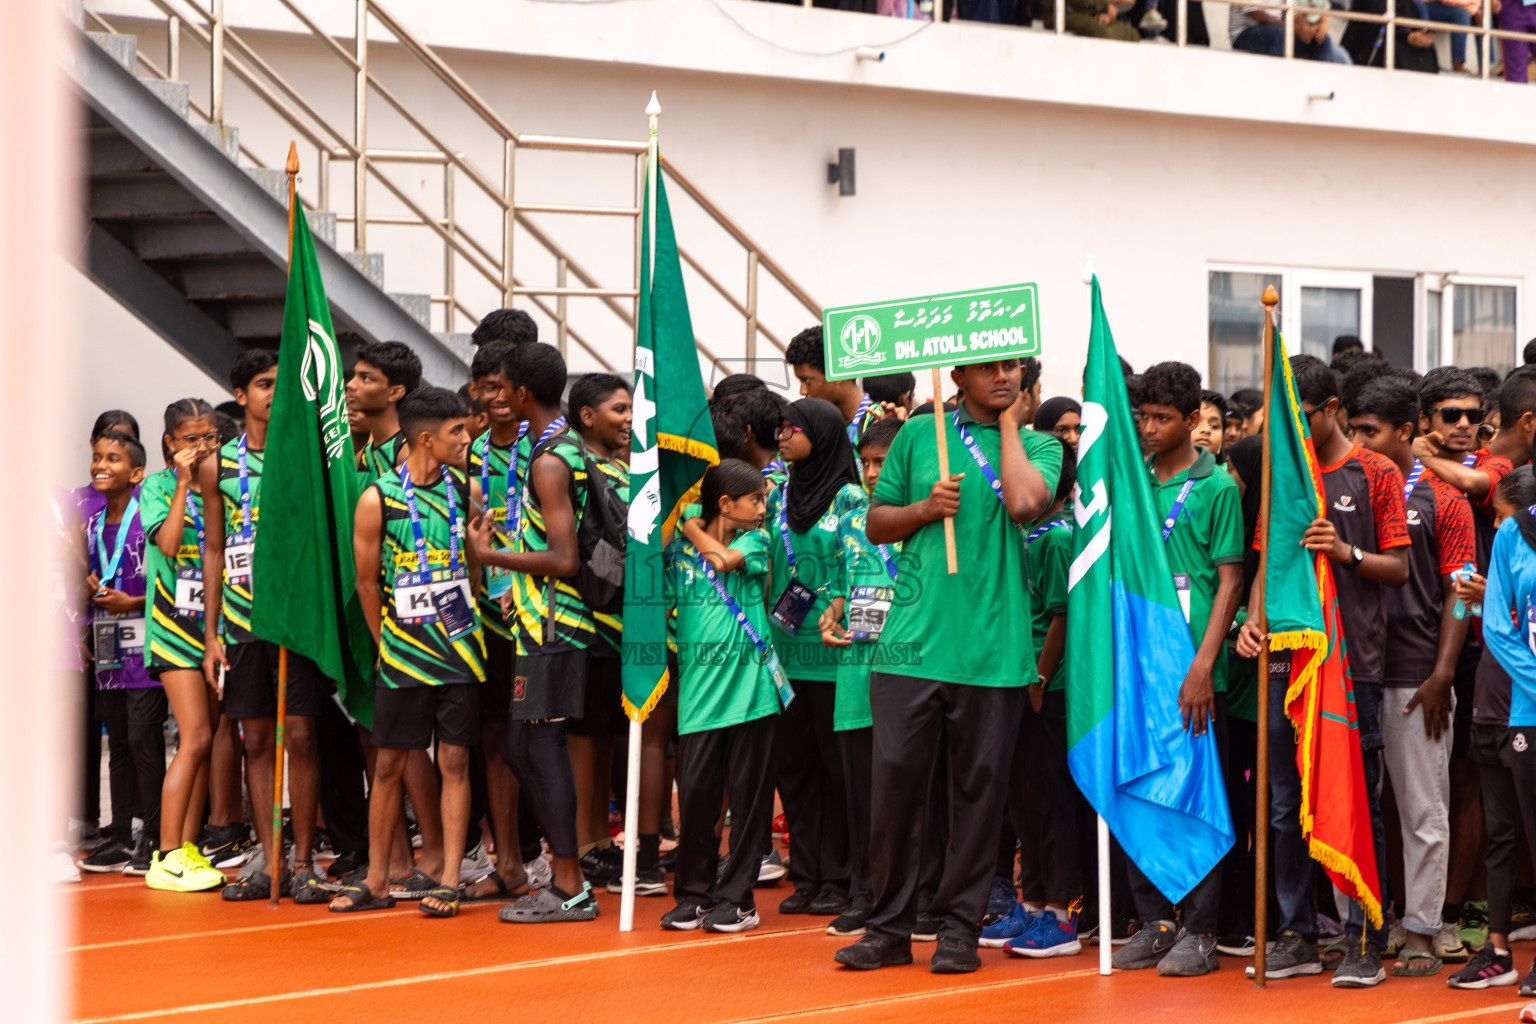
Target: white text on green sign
[{"x": 928, "y": 331}]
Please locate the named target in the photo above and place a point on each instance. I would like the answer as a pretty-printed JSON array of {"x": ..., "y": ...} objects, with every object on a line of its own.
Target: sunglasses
[{"x": 1451, "y": 415}]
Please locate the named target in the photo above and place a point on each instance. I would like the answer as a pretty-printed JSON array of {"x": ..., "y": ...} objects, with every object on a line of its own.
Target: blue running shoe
[
  {"x": 1051, "y": 936},
  {"x": 1018, "y": 923},
  {"x": 1001, "y": 900}
]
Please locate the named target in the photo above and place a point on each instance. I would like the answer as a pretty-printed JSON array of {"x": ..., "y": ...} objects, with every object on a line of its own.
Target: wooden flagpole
[
  {"x": 1271, "y": 299},
  {"x": 938, "y": 431},
  {"x": 275, "y": 871}
]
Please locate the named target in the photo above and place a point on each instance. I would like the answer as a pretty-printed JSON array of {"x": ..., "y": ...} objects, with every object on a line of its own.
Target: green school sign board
[{"x": 931, "y": 331}]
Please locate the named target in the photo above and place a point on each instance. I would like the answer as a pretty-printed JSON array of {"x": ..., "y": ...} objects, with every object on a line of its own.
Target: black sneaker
[
  {"x": 1147, "y": 947},
  {"x": 873, "y": 952},
  {"x": 1489, "y": 968},
  {"x": 729, "y": 918},
  {"x": 108, "y": 857},
  {"x": 143, "y": 857},
  {"x": 227, "y": 846},
  {"x": 647, "y": 883},
  {"x": 849, "y": 925},
  {"x": 954, "y": 956},
  {"x": 829, "y": 903},
  {"x": 597, "y": 868},
  {"x": 798, "y": 903},
  {"x": 1235, "y": 944},
  {"x": 1528, "y": 986},
  {"x": 347, "y": 863},
  {"x": 685, "y": 917},
  {"x": 1360, "y": 969},
  {"x": 1290, "y": 956},
  {"x": 1193, "y": 956},
  {"x": 926, "y": 929}
]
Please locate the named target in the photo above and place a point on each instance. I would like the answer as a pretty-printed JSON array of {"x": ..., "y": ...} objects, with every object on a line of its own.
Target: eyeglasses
[
  {"x": 1451, "y": 415},
  {"x": 789, "y": 430},
  {"x": 191, "y": 439}
]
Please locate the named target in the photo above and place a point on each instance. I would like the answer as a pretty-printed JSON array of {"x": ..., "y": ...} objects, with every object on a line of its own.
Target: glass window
[
  {"x": 1236, "y": 317},
  {"x": 1327, "y": 313},
  {"x": 1483, "y": 326},
  {"x": 1431, "y": 330}
]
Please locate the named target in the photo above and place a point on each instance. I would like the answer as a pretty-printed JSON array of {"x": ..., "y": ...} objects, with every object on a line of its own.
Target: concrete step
[
  {"x": 186, "y": 238},
  {"x": 419, "y": 306},
  {"x": 176, "y": 95},
  {"x": 225, "y": 139},
  {"x": 370, "y": 264},
  {"x": 122, "y": 48},
  {"x": 272, "y": 180},
  {"x": 322, "y": 224},
  {"x": 457, "y": 342},
  {"x": 109, "y": 154}
]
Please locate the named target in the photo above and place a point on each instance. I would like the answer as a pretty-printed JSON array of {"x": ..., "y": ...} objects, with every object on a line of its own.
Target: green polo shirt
[
  {"x": 964, "y": 628},
  {"x": 861, "y": 566},
  {"x": 1050, "y": 560},
  {"x": 818, "y": 568},
  {"x": 1208, "y": 534}
]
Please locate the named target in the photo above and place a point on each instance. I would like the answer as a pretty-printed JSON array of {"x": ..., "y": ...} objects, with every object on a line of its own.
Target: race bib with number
[
  {"x": 237, "y": 563},
  {"x": 116, "y": 639},
  {"x": 189, "y": 593},
  {"x": 867, "y": 609},
  {"x": 440, "y": 595}
]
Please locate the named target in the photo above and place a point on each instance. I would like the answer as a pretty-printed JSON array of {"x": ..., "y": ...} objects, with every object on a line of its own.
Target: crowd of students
[{"x": 911, "y": 721}]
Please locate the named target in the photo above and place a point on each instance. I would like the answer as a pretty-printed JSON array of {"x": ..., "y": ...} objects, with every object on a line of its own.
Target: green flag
[
  {"x": 672, "y": 445},
  {"x": 303, "y": 578}
]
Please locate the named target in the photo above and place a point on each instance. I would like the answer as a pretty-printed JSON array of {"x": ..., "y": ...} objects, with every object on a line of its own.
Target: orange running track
[{"x": 150, "y": 956}]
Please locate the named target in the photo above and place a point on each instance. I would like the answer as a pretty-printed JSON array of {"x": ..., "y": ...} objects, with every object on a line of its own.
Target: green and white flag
[
  {"x": 672, "y": 445},
  {"x": 304, "y": 576}
]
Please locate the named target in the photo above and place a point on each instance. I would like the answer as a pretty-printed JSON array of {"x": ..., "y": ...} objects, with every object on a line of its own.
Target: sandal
[
  {"x": 1416, "y": 963},
  {"x": 548, "y": 905},
  {"x": 257, "y": 887},
  {"x": 449, "y": 898},
  {"x": 412, "y": 887},
  {"x": 362, "y": 899},
  {"x": 307, "y": 888},
  {"x": 503, "y": 893}
]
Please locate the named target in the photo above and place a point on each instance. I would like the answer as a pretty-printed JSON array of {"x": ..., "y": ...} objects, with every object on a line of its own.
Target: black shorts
[
  {"x": 1461, "y": 722},
  {"x": 404, "y": 719},
  {"x": 500, "y": 661},
  {"x": 674, "y": 678},
  {"x": 140, "y": 706},
  {"x": 550, "y": 685},
  {"x": 250, "y": 682},
  {"x": 1489, "y": 745},
  {"x": 604, "y": 711}
]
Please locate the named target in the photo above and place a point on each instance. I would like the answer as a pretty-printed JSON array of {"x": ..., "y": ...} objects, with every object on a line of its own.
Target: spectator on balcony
[
  {"x": 1098, "y": 18},
  {"x": 1259, "y": 31},
  {"x": 1455, "y": 12},
  {"x": 917, "y": 10},
  {"x": 1515, "y": 16},
  {"x": 1415, "y": 48}
]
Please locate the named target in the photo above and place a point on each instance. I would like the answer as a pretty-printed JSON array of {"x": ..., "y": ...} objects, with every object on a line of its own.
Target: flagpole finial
[
  {"x": 1088, "y": 271},
  {"x": 293, "y": 158},
  {"x": 1270, "y": 297},
  {"x": 654, "y": 107}
]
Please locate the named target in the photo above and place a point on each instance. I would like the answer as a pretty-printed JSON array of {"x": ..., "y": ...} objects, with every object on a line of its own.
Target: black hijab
[
  {"x": 815, "y": 480},
  {"x": 1052, "y": 410}
]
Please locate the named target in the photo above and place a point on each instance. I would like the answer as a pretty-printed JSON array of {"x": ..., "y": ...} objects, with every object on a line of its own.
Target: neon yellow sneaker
[{"x": 182, "y": 870}]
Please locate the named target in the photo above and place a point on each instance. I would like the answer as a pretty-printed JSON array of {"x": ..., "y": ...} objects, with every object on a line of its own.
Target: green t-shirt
[
  {"x": 816, "y": 567},
  {"x": 963, "y": 628},
  {"x": 415, "y": 650},
  {"x": 235, "y": 617},
  {"x": 1208, "y": 534},
  {"x": 172, "y": 639},
  {"x": 862, "y": 566},
  {"x": 1242, "y": 677},
  {"x": 724, "y": 680},
  {"x": 488, "y": 463},
  {"x": 1050, "y": 559},
  {"x": 610, "y": 628},
  {"x": 572, "y": 619}
]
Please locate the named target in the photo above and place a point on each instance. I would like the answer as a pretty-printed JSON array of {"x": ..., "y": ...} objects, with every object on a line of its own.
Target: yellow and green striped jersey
[
  {"x": 488, "y": 463},
  {"x": 570, "y": 618},
  {"x": 235, "y": 622},
  {"x": 420, "y": 653},
  {"x": 172, "y": 639},
  {"x": 610, "y": 628},
  {"x": 379, "y": 460}
]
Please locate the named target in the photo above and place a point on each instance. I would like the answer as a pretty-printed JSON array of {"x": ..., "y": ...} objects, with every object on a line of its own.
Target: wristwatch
[{"x": 1356, "y": 556}]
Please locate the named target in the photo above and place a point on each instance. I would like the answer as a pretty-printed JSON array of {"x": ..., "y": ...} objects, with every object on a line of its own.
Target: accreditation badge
[
  {"x": 1181, "y": 584},
  {"x": 793, "y": 605},
  {"x": 785, "y": 691}
]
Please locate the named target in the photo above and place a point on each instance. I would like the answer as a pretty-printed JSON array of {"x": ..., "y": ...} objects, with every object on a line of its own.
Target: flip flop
[
  {"x": 444, "y": 895},
  {"x": 1408, "y": 958},
  {"x": 503, "y": 893},
  {"x": 412, "y": 886},
  {"x": 362, "y": 899}
]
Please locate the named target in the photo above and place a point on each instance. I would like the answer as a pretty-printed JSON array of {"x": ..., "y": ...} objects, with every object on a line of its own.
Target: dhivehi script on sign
[{"x": 931, "y": 330}]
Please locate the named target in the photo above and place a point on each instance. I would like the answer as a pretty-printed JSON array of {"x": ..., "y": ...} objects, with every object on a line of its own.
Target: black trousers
[
  {"x": 1041, "y": 806},
  {"x": 1490, "y": 751},
  {"x": 858, "y": 750},
  {"x": 135, "y": 722},
  {"x": 90, "y": 764},
  {"x": 811, "y": 785},
  {"x": 735, "y": 761},
  {"x": 343, "y": 780},
  {"x": 973, "y": 730},
  {"x": 536, "y": 752},
  {"x": 1202, "y": 907},
  {"x": 1238, "y": 868}
]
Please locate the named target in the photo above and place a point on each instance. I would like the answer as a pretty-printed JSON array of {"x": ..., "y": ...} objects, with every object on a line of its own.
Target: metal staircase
[{"x": 188, "y": 227}]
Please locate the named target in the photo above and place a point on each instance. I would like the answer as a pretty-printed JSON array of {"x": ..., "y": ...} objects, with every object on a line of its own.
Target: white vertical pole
[
  {"x": 1105, "y": 950},
  {"x": 632, "y": 776}
]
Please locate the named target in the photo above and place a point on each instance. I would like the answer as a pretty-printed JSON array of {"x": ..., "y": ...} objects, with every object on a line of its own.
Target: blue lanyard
[
  {"x": 247, "y": 524},
  {"x": 789, "y": 547},
  {"x": 1038, "y": 531},
  {"x": 1470, "y": 460},
  {"x": 512, "y": 471},
  {"x": 515, "y": 475},
  {"x": 853, "y": 428},
  {"x": 1177, "y": 509},
  {"x": 453, "y": 521},
  {"x": 776, "y": 466},
  {"x": 885, "y": 556},
  {"x": 194, "y": 510},
  {"x": 113, "y": 570},
  {"x": 732, "y": 607},
  {"x": 1413, "y": 480},
  {"x": 980, "y": 460}
]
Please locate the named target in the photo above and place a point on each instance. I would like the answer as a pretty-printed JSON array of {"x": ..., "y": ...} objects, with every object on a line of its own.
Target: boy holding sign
[
  {"x": 952, "y": 666},
  {"x": 413, "y": 577}
]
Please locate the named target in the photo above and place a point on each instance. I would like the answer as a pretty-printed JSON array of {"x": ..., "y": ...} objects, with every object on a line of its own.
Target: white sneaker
[
  {"x": 1528, "y": 1013},
  {"x": 540, "y": 874},
  {"x": 475, "y": 865},
  {"x": 1523, "y": 935},
  {"x": 772, "y": 869},
  {"x": 63, "y": 865},
  {"x": 1153, "y": 21},
  {"x": 256, "y": 862},
  {"x": 1448, "y": 945}
]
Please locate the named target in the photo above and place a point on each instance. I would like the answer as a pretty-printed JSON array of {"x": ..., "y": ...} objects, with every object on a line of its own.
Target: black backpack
[{"x": 601, "y": 535}]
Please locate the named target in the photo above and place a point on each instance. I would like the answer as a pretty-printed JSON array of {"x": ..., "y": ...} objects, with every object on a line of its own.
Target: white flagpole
[{"x": 632, "y": 775}]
